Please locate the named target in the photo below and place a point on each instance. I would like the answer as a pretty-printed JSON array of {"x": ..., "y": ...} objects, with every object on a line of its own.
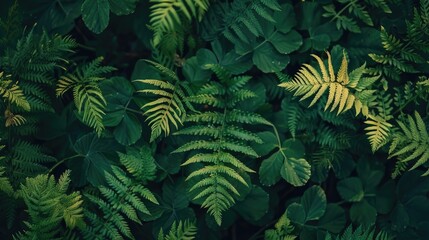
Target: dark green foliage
[{"x": 164, "y": 119}]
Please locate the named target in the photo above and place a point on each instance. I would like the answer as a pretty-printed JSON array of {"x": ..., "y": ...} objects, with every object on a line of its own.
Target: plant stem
[{"x": 62, "y": 161}]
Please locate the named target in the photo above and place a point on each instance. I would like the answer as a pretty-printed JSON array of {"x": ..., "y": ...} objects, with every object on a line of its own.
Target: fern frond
[
  {"x": 87, "y": 95},
  {"x": 377, "y": 131},
  {"x": 345, "y": 90},
  {"x": 48, "y": 205},
  {"x": 123, "y": 197},
  {"x": 179, "y": 231},
  {"x": 168, "y": 15},
  {"x": 412, "y": 143},
  {"x": 219, "y": 142},
  {"x": 12, "y": 93},
  {"x": 234, "y": 20},
  {"x": 282, "y": 230},
  {"x": 26, "y": 160},
  {"x": 169, "y": 108}
]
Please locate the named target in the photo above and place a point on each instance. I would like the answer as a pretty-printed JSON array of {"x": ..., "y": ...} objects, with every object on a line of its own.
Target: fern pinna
[
  {"x": 169, "y": 106},
  {"x": 123, "y": 198},
  {"x": 220, "y": 140}
]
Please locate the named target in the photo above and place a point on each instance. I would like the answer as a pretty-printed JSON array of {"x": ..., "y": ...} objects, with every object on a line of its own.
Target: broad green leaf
[
  {"x": 286, "y": 43},
  {"x": 254, "y": 206},
  {"x": 118, "y": 93},
  {"x": 129, "y": 130},
  {"x": 269, "y": 173},
  {"x": 363, "y": 213},
  {"x": 296, "y": 171},
  {"x": 351, "y": 189},
  {"x": 52, "y": 16},
  {"x": 400, "y": 218},
  {"x": 334, "y": 219},
  {"x": 386, "y": 197},
  {"x": 296, "y": 213},
  {"x": 193, "y": 71},
  {"x": 93, "y": 164},
  {"x": 122, "y": 7},
  {"x": 269, "y": 143},
  {"x": 314, "y": 203},
  {"x": 95, "y": 14},
  {"x": 285, "y": 19},
  {"x": 293, "y": 148},
  {"x": 268, "y": 60},
  {"x": 205, "y": 56},
  {"x": 370, "y": 172}
]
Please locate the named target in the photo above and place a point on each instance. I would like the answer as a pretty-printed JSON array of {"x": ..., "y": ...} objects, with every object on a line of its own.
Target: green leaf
[
  {"x": 254, "y": 206},
  {"x": 268, "y": 60},
  {"x": 95, "y": 14},
  {"x": 296, "y": 171},
  {"x": 118, "y": 93},
  {"x": 314, "y": 203},
  {"x": 129, "y": 130},
  {"x": 296, "y": 213},
  {"x": 334, "y": 219},
  {"x": 386, "y": 197},
  {"x": 285, "y": 19},
  {"x": 269, "y": 173},
  {"x": 193, "y": 71},
  {"x": 94, "y": 163},
  {"x": 351, "y": 189},
  {"x": 122, "y": 7},
  {"x": 293, "y": 148},
  {"x": 286, "y": 43},
  {"x": 269, "y": 143},
  {"x": 362, "y": 213}
]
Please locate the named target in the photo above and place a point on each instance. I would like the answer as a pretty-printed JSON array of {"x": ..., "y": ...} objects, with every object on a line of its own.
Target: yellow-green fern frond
[
  {"x": 377, "y": 131},
  {"x": 12, "y": 93},
  {"x": 168, "y": 108},
  {"x": 413, "y": 143},
  {"x": 12, "y": 119},
  {"x": 88, "y": 98},
  {"x": 167, "y": 15},
  {"x": 345, "y": 90}
]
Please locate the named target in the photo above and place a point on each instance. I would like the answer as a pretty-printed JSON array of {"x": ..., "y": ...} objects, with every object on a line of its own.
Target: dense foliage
[{"x": 214, "y": 119}]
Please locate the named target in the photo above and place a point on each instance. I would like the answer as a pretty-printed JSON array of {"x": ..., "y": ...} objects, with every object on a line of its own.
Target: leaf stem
[{"x": 62, "y": 161}]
